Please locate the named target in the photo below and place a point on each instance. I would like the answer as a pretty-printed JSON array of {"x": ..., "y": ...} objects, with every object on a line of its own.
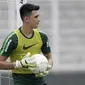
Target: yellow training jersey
[{"x": 25, "y": 45}]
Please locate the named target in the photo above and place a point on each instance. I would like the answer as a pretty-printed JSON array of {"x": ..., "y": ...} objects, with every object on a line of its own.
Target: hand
[
  {"x": 44, "y": 73},
  {"x": 26, "y": 62}
]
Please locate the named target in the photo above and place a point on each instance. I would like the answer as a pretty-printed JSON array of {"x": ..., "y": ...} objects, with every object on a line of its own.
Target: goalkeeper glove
[
  {"x": 41, "y": 74},
  {"x": 26, "y": 62}
]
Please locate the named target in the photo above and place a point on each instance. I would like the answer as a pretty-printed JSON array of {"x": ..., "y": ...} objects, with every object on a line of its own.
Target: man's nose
[{"x": 38, "y": 20}]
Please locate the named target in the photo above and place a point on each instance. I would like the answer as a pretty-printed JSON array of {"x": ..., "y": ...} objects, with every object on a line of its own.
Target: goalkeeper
[{"x": 21, "y": 44}]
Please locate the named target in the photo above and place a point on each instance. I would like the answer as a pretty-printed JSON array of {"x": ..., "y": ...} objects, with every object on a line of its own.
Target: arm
[
  {"x": 4, "y": 65},
  {"x": 10, "y": 43},
  {"x": 26, "y": 62},
  {"x": 46, "y": 48},
  {"x": 49, "y": 57}
]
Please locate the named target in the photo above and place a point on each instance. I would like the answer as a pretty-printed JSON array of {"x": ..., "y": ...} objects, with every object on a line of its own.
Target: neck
[{"x": 26, "y": 30}]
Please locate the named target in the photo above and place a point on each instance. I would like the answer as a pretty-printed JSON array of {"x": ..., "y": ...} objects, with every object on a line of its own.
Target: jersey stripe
[{"x": 6, "y": 41}]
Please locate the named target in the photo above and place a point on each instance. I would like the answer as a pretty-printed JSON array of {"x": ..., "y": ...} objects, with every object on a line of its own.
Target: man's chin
[{"x": 36, "y": 27}]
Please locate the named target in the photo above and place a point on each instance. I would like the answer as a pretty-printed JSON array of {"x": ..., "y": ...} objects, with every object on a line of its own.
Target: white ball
[{"x": 41, "y": 62}]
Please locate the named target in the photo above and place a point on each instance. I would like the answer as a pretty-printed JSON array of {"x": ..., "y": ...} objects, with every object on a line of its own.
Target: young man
[{"x": 20, "y": 42}]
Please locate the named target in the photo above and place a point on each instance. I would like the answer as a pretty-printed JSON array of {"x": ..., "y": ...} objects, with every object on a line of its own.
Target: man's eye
[{"x": 36, "y": 16}]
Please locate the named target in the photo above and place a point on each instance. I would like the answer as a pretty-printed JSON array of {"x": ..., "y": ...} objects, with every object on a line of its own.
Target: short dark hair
[{"x": 26, "y": 9}]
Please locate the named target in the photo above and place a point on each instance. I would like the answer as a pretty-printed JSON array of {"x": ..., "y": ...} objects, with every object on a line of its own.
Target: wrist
[
  {"x": 17, "y": 64},
  {"x": 14, "y": 64},
  {"x": 49, "y": 66}
]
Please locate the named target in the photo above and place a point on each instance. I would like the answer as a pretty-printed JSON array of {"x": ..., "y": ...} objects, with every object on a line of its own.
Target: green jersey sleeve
[
  {"x": 9, "y": 44},
  {"x": 45, "y": 47}
]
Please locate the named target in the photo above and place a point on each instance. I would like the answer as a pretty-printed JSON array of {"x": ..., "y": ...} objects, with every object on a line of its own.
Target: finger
[
  {"x": 46, "y": 72},
  {"x": 39, "y": 75},
  {"x": 32, "y": 65},
  {"x": 49, "y": 67},
  {"x": 27, "y": 55},
  {"x": 31, "y": 69}
]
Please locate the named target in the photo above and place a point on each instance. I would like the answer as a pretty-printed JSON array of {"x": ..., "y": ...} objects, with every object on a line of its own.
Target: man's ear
[{"x": 26, "y": 19}]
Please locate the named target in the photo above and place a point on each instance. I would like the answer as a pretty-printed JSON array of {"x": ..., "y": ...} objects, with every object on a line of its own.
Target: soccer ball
[{"x": 41, "y": 62}]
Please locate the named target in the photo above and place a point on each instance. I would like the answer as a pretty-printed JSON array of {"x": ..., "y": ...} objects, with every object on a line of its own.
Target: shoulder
[
  {"x": 43, "y": 33},
  {"x": 43, "y": 36},
  {"x": 9, "y": 44},
  {"x": 11, "y": 36}
]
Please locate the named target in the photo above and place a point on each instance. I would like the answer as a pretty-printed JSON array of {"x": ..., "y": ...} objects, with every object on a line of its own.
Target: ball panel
[{"x": 41, "y": 62}]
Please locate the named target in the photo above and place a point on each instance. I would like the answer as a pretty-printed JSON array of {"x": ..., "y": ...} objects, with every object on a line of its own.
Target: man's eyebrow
[{"x": 36, "y": 16}]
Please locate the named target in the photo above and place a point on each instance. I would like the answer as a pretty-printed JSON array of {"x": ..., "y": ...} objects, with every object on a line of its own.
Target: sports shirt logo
[{"x": 26, "y": 47}]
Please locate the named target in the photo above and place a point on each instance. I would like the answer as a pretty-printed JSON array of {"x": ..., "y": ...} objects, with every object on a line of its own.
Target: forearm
[
  {"x": 49, "y": 57},
  {"x": 24, "y": 63},
  {"x": 50, "y": 61},
  {"x": 4, "y": 65}
]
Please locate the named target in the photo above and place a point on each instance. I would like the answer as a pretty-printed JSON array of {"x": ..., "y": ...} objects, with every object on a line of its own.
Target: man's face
[{"x": 33, "y": 20}]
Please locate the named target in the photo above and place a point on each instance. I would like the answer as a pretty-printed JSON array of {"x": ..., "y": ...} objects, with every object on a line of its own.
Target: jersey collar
[{"x": 25, "y": 35}]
